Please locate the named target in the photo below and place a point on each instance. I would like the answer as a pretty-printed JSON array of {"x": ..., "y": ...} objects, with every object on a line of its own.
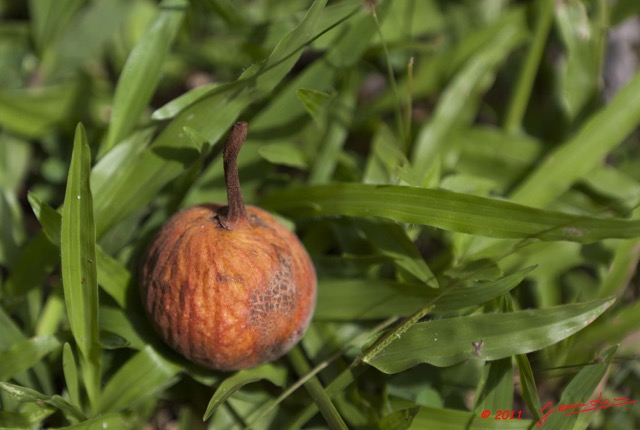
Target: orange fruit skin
[{"x": 228, "y": 299}]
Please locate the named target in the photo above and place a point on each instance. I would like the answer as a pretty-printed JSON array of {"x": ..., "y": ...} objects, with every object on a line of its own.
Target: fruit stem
[{"x": 236, "y": 214}]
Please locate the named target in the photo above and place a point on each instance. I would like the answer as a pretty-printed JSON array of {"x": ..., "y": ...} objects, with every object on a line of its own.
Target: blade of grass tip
[
  {"x": 391, "y": 77},
  {"x": 317, "y": 391},
  {"x": 620, "y": 325},
  {"x": 524, "y": 85},
  {"x": 528, "y": 385},
  {"x": 79, "y": 275}
]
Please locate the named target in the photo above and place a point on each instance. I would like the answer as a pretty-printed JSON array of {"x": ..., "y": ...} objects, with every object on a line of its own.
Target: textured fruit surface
[{"x": 228, "y": 299}]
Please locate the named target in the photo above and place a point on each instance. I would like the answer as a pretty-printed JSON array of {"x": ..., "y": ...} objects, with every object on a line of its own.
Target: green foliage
[{"x": 466, "y": 194}]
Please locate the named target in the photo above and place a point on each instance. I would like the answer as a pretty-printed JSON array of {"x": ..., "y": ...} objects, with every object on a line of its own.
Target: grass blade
[
  {"x": 496, "y": 388},
  {"x": 70, "y": 371},
  {"x": 78, "y": 249},
  {"x": 106, "y": 421},
  {"x": 142, "y": 70},
  {"x": 316, "y": 390},
  {"x": 32, "y": 112},
  {"x": 232, "y": 384},
  {"x": 460, "y": 95},
  {"x": 579, "y": 390},
  {"x": 524, "y": 85},
  {"x": 457, "y": 212},
  {"x": 449, "y": 341},
  {"x": 575, "y": 158},
  {"x": 338, "y": 112},
  {"x": 528, "y": 385},
  {"x": 25, "y": 354},
  {"x": 23, "y": 394},
  {"x": 286, "y": 108},
  {"x": 112, "y": 276},
  {"x": 144, "y": 375}
]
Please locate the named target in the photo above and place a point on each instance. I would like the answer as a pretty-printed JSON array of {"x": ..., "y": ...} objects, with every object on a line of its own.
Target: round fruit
[{"x": 228, "y": 286}]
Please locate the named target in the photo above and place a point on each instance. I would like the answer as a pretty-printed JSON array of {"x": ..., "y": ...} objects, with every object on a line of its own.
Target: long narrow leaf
[
  {"x": 524, "y": 85},
  {"x": 317, "y": 390},
  {"x": 447, "y": 210},
  {"x": 462, "y": 93},
  {"x": 340, "y": 111},
  {"x": 528, "y": 384},
  {"x": 489, "y": 337},
  {"x": 142, "y": 70},
  {"x": 112, "y": 276},
  {"x": 78, "y": 248}
]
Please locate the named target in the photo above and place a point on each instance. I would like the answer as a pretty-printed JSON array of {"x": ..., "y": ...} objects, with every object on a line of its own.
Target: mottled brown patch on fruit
[
  {"x": 277, "y": 297},
  {"x": 228, "y": 299}
]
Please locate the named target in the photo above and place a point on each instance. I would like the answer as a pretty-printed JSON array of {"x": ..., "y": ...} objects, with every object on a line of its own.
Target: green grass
[{"x": 467, "y": 196}]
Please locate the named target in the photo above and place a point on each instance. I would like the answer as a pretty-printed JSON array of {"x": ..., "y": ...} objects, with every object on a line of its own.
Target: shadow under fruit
[{"x": 228, "y": 286}]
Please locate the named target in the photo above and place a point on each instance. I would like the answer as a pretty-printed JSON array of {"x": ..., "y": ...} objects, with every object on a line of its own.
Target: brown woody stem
[{"x": 236, "y": 214}]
